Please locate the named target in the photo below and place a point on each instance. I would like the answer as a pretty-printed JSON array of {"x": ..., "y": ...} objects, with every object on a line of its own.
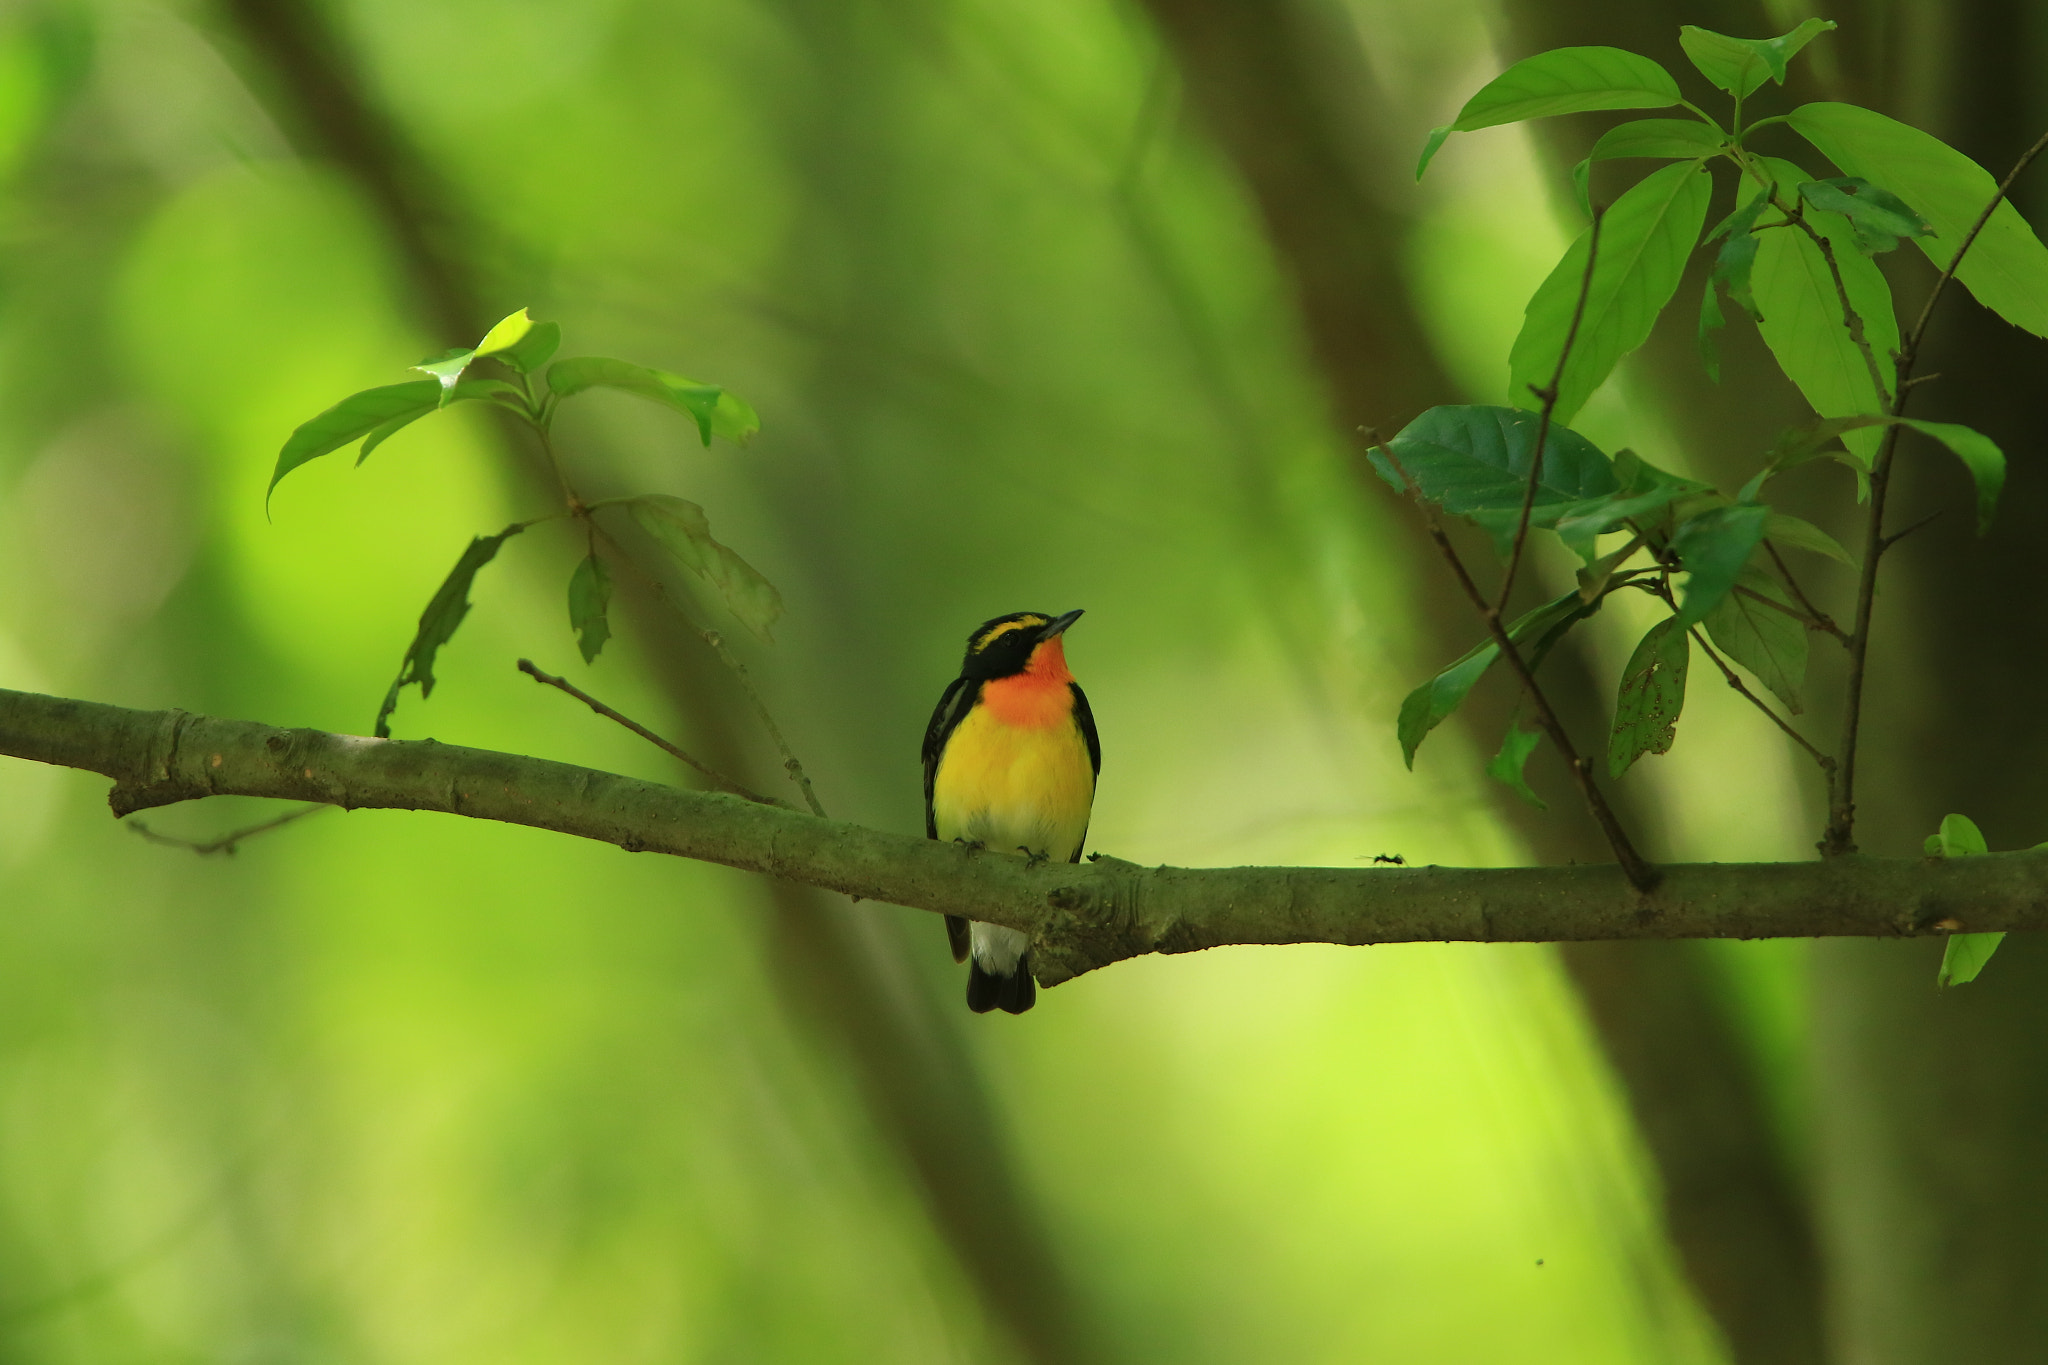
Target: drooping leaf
[
  {"x": 1429, "y": 705},
  {"x": 356, "y": 416},
  {"x": 590, "y": 597},
  {"x": 532, "y": 351},
  {"x": 444, "y": 613},
  {"x": 1782, "y": 529},
  {"x": 1711, "y": 322},
  {"x": 682, "y": 529},
  {"x": 1714, "y": 546},
  {"x": 1473, "y": 461},
  {"x": 1507, "y": 765},
  {"x": 699, "y": 401},
  {"x": 2007, "y": 266},
  {"x": 1979, "y": 454},
  {"x": 1644, "y": 241},
  {"x": 1802, "y": 312},
  {"x": 1566, "y": 80},
  {"x": 1964, "y": 955},
  {"x": 1663, "y": 138},
  {"x": 1733, "y": 265},
  {"x": 492, "y": 390},
  {"x": 1878, "y": 217},
  {"x": 1740, "y": 65},
  {"x": 1652, "y": 695},
  {"x": 1769, "y": 643}
]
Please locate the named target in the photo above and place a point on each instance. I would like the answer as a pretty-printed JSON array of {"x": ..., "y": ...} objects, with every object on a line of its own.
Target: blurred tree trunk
[
  {"x": 1935, "y": 1104},
  {"x": 1257, "y": 70},
  {"x": 851, "y": 984}
]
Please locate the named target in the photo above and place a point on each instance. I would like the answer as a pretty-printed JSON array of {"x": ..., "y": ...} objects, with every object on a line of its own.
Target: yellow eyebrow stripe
[{"x": 989, "y": 637}]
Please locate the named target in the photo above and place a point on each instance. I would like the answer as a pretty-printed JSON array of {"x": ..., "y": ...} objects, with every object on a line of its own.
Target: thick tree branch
[{"x": 1083, "y": 916}]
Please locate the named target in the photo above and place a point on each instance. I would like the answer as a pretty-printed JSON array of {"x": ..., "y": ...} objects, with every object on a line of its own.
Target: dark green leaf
[
  {"x": 358, "y": 415},
  {"x": 1644, "y": 241},
  {"x": 1611, "y": 512},
  {"x": 438, "y": 622},
  {"x": 1736, "y": 260},
  {"x": 1766, "y": 641},
  {"x": 1662, "y": 138},
  {"x": 1781, "y": 529},
  {"x": 1507, "y": 765},
  {"x": 1713, "y": 547},
  {"x": 1802, "y": 312},
  {"x": 682, "y": 529},
  {"x": 700, "y": 401},
  {"x": 590, "y": 596},
  {"x": 532, "y": 351},
  {"x": 1979, "y": 454},
  {"x": 1567, "y": 80},
  {"x": 2007, "y": 268},
  {"x": 1474, "y": 461},
  {"x": 1652, "y": 695},
  {"x": 1965, "y": 955},
  {"x": 1740, "y": 65},
  {"x": 1878, "y": 217},
  {"x": 1429, "y": 705}
]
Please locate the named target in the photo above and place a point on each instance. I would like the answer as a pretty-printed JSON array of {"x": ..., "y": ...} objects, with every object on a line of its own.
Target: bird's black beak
[{"x": 1058, "y": 626}]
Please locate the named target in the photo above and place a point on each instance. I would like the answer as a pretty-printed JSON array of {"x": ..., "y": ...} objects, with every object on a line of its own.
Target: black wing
[
  {"x": 957, "y": 700},
  {"x": 1085, "y": 718}
]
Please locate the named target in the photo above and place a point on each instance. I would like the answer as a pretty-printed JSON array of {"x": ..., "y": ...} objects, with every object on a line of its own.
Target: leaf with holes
[
  {"x": 681, "y": 528},
  {"x": 590, "y": 597},
  {"x": 1769, "y": 642},
  {"x": 444, "y": 613},
  {"x": 1652, "y": 695},
  {"x": 1565, "y": 80}
]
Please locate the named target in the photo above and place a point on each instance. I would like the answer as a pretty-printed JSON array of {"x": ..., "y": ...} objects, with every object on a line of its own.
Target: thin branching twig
[
  {"x": 717, "y": 778},
  {"x": 1820, "y": 618},
  {"x": 227, "y": 843},
  {"x": 1735, "y": 681}
]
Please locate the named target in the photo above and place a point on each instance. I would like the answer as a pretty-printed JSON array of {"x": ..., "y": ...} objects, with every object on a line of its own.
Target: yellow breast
[{"x": 1010, "y": 787}]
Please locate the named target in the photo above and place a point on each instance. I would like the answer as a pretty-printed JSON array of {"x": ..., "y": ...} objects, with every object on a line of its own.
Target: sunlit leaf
[
  {"x": 700, "y": 401},
  {"x": 1714, "y": 546},
  {"x": 682, "y": 529},
  {"x": 1663, "y": 138},
  {"x": 507, "y": 333},
  {"x": 1566, "y": 80},
  {"x": 1878, "y": 217},
  {"x": 1507, "y": 765},
  {"x": 1644, "y": 241},
  {"x": 358, "y": 415},
  {"x": 1740, "y": 65},
  {"x": 438, "y": 622},
  {"x": 1652, "y": 695},
  {"x": 590, "y": 596},
  {"x": 1964, "y": 955},
  {"x": 1802, "y": 312},
  {"x": 2007, "y": 268},
  {"x": 1781, "y": 529},
  {"x": 1768, "y": 642},
  {"x": 495, "y": 390},
  {"x": 532, "y": 351},
  {"x": 1429, "y": 705}
]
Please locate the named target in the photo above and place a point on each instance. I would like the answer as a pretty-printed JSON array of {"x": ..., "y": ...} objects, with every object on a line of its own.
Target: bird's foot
[
  {"x": 1032, "y": 858},
  {"x": 972, "y": 845}
]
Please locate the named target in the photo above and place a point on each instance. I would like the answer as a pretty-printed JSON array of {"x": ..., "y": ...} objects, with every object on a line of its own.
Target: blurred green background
[{"x": 1029, "y": 326}]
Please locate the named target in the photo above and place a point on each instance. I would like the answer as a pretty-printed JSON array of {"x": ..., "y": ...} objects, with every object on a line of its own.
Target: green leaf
[
  {"x": 1964, "y": 955},
  {"x": 1651, "y": 697},
  {"x": 1781, "y": 529},
  {"x": 1611, "y": 512},
  {"x": 1714, "y": 546},
  {"x": 2007, "y": 267},
  {"x": 1878, "y": 217},
  {"x": 531, "y": 351},
  {"x": 1473, "y": 461},
  {"x": 447, "y": 367},
  {"x": 1429, "y": 705},
  {"x": 1958, "y": 837},
  {"x": 681, "y": 528},
  {"x": 1802, "y": 312},
  {"x": 1647, "y": 137},
  {"x": 507, "y": 333},
  {"x": 590, "y": 596},
  {"x": 1644, "y": 241},
  {"x": 373, "y": 412},
  {"x": 1507, "y": 765},
  {"x": 700, "y": 401},
  {"x": 1979, "y": 454},
  {"x": 1740, "y": 65},
  {"x": 1711, "y": 322},
  {"x": 1593, "y": 578},
  {"x": 1733, "y": 265},
  {"x": 1566, "y": 80},
  {"x": 438, "y": 622},
  {"x": 1764, "y": 640}
]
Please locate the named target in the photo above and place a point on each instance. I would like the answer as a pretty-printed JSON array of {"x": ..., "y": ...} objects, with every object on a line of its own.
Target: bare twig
[
  {"x": 227, "y": 843},
  {"x": 1641, "y": 875},
  {"x": 1549, "y": 396},
  {"x": 1699, "y": 638},
  {"x": 1810, "y": 622},
  {"x": 1820, "y": 618},
  {"x": 1897, "y": 536},
  {"x": 718, "y": 779},
  {"x": 1839, "y": 837}
]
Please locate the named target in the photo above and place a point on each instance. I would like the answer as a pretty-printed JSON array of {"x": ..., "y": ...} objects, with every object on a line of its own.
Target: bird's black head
[{"x": 1003, "y": 646}]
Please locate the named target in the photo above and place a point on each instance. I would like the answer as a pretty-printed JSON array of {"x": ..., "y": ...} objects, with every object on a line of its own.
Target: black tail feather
[{"x": 1014, "y": 993}]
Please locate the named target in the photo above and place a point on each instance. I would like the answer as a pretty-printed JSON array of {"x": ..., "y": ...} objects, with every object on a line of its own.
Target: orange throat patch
[{"x": 1039, "y": 697}]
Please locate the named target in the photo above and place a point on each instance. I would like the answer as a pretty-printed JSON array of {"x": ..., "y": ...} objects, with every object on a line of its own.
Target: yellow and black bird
[{"x": 1010, "y": 761}]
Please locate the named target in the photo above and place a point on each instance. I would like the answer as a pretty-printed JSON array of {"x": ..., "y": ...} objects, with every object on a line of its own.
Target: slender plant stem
[
  {"x": 1641, "y": 875},
  {"x": 1699, "y": 638},
  {"x": 719, "y": 779},
  {"x": 1549, "y": 395},
  {"x": 1820, "y": 618},
  {"x": 227, "y": 843},
  {"x": 1839, "y": 838},
  {"x": 1811, "y": 623}
]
